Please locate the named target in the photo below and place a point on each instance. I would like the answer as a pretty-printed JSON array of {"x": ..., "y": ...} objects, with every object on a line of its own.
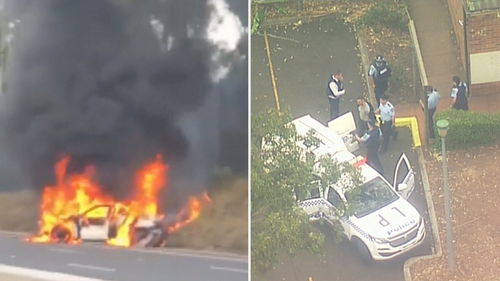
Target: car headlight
[{"x": 379, "y": 240}]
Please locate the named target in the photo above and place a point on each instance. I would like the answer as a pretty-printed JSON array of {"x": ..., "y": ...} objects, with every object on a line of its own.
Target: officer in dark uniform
[
  {"x": 380, "y": 73},
  {"x": 372, "y": 141},
  {"x": 334, "y": 91},
  {"x": 458, "y": 95}
]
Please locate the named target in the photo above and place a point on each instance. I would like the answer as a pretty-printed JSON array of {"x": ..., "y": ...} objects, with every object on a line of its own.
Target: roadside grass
[
  {"x": 222, "y": 225},
  {"x": 18, "y": 211}
]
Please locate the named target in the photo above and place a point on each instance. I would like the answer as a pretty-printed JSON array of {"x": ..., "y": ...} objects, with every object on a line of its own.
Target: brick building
[{"x": 477, "y": 28}]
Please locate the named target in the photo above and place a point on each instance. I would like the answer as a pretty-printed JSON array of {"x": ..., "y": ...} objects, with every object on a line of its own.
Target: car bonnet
[{"x": 389, "y": 221}]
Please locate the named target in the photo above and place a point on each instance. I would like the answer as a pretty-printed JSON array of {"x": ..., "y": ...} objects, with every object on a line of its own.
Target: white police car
[{"x": 384, "y": 223}]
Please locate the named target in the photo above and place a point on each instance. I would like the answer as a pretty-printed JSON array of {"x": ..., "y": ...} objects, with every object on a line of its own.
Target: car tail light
[{"x": 360, "y": 162}]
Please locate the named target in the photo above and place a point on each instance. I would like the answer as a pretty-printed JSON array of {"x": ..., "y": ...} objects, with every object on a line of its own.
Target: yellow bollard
[{"x": 310, "y": 279}]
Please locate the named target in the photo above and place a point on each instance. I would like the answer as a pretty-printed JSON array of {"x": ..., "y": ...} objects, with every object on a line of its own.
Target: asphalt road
[
  {"x": 119, "y": 264},
  {"x": 303, "y": 63}
]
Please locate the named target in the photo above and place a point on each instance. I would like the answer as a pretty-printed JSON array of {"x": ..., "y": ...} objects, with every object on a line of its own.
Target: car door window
[
  {"x": 97, "y": 215},
  {"x": 402, "y": 171},
  {"x": 334, "y": 198}
]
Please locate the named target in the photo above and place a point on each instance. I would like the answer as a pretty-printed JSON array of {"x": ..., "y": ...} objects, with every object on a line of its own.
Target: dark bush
[
  {"x": 468, "y": 129},
  {"x": 385, "y": 14}
]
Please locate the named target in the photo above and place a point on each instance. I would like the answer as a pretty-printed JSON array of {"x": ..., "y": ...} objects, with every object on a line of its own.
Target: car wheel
[
  {"x": 364, "y": 253},
  {"x": 60, "y": 234},
  {"x": 149, "y": 237}
]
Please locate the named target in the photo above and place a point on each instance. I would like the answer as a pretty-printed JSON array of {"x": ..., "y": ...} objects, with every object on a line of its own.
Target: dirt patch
[
  {"x": 474, "y": 181},
  {"x": 222, "y": 225}
]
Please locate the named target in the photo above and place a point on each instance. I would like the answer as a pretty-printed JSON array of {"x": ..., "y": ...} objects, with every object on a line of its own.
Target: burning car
[
  {"x": 101, "y": 223},
  {"x": 76, "y": 210}
]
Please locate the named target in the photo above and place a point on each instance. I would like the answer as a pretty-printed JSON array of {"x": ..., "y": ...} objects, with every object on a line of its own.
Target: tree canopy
[{"x": 281, "y": 172}]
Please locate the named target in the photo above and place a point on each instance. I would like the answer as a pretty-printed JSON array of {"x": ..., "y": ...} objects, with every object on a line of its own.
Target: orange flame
[{"x": 75, "y": 195}]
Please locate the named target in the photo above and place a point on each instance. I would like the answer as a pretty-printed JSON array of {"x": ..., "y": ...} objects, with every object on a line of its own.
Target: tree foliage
[{"x": 281, "y": 172}]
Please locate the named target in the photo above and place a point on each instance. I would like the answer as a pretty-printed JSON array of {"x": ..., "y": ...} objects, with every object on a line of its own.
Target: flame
[{"x": 74, "y": 197}]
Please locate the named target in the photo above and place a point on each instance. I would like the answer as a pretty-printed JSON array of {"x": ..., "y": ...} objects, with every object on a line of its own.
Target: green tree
[{"x": 281, "y": 172}]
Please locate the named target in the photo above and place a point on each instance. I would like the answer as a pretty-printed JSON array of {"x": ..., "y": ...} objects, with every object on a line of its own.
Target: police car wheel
[{"x": 366, "y": 257}]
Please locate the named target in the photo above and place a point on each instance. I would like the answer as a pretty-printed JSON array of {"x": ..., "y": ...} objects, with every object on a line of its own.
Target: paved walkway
[{"x": 441, "y": 58}]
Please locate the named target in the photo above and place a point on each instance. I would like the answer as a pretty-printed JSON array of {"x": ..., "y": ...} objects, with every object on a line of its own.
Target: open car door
[
  {"x": 95, "y": 223},
  {"x": 404, "y": 177}
]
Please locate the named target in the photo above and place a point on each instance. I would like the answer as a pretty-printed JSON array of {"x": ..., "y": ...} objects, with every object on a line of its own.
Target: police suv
[{"x": 384, "y": 223}]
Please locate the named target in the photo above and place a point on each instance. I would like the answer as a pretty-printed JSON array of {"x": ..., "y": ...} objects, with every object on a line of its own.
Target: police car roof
[{"x": 331, "y": 142}]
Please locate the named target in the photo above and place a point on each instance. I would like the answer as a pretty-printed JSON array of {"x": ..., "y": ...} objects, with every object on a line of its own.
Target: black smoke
[{"x": 90, "y": 79}]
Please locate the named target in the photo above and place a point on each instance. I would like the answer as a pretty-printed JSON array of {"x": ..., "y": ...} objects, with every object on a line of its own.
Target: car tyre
[
  {"x": 364, "y": 253},
  {"x": 60, "y": 234}
]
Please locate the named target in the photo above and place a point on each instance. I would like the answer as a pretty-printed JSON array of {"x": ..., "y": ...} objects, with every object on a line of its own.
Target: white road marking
[
  {"x": 228, "y": 269},
  {"x": 42, "y": 275},
  {"x": 91, "y": 267},
  {"x": 61, "y": 250}
]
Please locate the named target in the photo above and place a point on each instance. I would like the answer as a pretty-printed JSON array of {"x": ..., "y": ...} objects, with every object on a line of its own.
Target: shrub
[
  {"x": 399, "y": 77},
  {"x": 468, "y": 129},
  {"x": 384, "y": 14}
]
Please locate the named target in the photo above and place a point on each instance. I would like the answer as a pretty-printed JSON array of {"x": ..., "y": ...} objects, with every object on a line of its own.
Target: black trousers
[
  {"x": 430, "y": 120},
  {"x": 362, "y": 127},
  {"x": 334, "y": 108},
  {"x": 379, "y": 90},
  {"x": 373, "y": 160},
  {"x": 387, "y": 132}
]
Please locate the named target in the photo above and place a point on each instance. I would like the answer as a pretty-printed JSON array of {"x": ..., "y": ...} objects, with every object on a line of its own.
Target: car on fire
[
  {"x": 384, "y": 224},
  {"x": 101, "y": 223}
]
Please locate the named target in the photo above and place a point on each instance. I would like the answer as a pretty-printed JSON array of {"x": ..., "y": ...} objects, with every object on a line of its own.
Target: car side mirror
[{"x": 402, "y": 186}]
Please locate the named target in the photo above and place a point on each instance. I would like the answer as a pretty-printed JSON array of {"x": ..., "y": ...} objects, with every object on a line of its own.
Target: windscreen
[{"x": 372, "y": 196}]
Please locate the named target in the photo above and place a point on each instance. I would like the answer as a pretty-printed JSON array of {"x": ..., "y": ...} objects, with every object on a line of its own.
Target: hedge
[{"x": 468, "y": 129}]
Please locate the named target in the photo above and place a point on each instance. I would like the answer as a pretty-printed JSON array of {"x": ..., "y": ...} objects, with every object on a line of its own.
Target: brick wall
[
  {"x": 485, "y": 89},
  {"x": 484, "y": 36},
  {"x": 457, "y": 13},
  {"x": 484, "y": 33}
]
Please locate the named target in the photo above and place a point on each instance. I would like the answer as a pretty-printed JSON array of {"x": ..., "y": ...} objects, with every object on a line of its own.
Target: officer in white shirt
[
  {"x": 334, "y": 91},
  {"x": 388, "y": 123},
  {"x": 433, "y": 97}
]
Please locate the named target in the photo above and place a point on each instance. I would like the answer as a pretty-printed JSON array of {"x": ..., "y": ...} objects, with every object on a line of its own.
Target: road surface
[
  {"x": 303, "y": 59},
  {"x": 120, "y": 264}
]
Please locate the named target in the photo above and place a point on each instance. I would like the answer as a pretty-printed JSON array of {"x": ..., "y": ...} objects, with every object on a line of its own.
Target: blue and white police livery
[{"x": 384, "y": 224}]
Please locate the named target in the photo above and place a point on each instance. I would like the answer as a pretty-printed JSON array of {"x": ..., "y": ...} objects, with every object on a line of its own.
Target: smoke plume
[{"x": 113, "y": 83}]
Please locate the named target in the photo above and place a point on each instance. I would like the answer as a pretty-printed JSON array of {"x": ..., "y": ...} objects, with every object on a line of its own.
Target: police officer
[
  {"x": 334, "y": 91},
  {"x": 458, "y": 95},
  {"x": 387, "y": 118},
  {"x": 433, "y": 97},
  {"x": 372, "y": 141},
  {"x": 379, "y": 73}
]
